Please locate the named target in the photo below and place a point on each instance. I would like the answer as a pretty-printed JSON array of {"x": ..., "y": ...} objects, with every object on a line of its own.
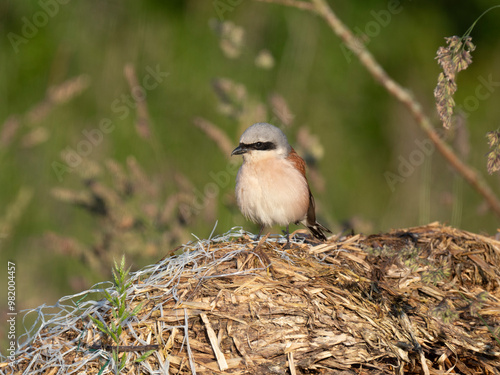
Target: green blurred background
[{"x": 347, "y": 126}]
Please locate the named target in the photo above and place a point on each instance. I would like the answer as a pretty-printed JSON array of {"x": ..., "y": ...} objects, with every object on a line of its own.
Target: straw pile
[{"x": 420, "y": 300}]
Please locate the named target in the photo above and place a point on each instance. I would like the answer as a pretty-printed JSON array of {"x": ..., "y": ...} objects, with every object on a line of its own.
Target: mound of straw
[{"x": 420, "y": 300}]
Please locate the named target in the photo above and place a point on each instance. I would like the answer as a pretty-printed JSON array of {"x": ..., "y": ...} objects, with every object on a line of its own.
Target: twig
[
  {"x": 292, "y": 3},
  {"x": 125, "y": 348},
  {"x": 357, "y": 48}
]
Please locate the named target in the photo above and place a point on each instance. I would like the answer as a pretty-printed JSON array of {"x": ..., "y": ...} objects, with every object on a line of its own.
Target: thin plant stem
[
  {"x": 469, "y": 30},
  {"x": 304, "y": 5}
]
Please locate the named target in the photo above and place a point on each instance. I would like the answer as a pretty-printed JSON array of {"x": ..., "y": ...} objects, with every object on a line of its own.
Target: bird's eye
[{"x": 259, "y": 145}]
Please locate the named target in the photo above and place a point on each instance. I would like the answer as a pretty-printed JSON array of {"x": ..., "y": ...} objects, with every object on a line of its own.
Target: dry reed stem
[{"x": 322, "y": 8}]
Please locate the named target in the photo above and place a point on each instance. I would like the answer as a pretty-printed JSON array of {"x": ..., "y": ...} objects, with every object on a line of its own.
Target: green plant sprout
[{"x": 119, "y": 313}]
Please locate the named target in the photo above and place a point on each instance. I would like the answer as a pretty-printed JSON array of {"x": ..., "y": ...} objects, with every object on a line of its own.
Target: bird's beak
[{"x": 239, "y": 150}]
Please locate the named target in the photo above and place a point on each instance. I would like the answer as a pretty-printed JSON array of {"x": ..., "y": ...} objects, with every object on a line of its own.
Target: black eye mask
[{"x": 260, "y": 146}]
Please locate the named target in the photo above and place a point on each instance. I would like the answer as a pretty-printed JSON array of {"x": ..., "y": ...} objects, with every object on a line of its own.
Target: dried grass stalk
[
  {"x": 493, "y": 164},
  {"x": 453, "y": 58},
  {"x": 58, "y": 94},
  {"x": 216, "y": 134},
  {"x": 142, "y": 124}
]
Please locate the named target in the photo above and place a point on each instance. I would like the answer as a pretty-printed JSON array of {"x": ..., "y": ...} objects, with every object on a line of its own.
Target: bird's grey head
[{"x": 261, "y": 138}]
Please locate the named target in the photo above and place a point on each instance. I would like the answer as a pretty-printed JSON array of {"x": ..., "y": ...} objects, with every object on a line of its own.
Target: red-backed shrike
[{"x": 271, "y": 186}]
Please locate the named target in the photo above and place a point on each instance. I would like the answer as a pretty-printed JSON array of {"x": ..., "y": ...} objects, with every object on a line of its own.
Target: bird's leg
[
  {"x": 287, "y": 245},
  {"x": 260, "y": 232}
]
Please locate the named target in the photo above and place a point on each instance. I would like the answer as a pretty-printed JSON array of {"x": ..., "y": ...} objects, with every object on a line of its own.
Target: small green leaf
[
  {"x": 104, "y": 367},
  {"x": 108, "y": 296},
  {"x": 123, "y": 361},
  {"x": 144, "y": 356},
  {"x": 114, "y": 337},
  {"x": 100, "y": 325},
  {"x": 137, "y": 309}
]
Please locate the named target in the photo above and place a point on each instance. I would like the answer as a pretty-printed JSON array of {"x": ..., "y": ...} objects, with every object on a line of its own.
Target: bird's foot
[{"x": 289, "y": 245}]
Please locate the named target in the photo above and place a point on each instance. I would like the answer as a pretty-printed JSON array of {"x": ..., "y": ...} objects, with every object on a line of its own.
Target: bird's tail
[{"x": 318, "y": 230}]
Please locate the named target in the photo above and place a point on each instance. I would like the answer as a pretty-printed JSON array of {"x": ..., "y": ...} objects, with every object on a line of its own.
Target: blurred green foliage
[{"x": 361, "y": 132}]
